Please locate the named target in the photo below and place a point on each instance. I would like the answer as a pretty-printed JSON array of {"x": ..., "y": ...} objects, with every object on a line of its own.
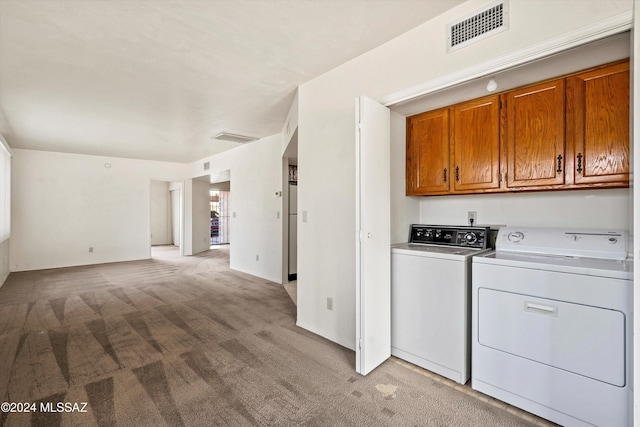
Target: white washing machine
[
  {"x": 552, "y": 324},
  {"x": 430, "y": 297}
]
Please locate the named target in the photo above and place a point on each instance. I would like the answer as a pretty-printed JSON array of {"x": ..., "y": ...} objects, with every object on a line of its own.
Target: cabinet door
[
  {"x": 475, "y": 138},
  {"x": 428, "y": 153},
  {"x": 535, "y": 136},
  {"x": 598, "y": 125}
]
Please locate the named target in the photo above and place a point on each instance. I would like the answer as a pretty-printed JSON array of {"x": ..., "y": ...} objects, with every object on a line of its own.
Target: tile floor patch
[{"x": 387, "y": 390}]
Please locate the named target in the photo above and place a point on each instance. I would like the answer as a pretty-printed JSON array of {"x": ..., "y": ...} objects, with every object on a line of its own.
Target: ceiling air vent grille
[
  {"x": 480, "y": 25},
  {"x": 233, "y": 137},
  {"x": 207, "y": 165}
]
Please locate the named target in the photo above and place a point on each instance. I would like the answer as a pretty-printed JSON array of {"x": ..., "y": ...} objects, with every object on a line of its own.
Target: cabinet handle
[
  {"x": 444, "y": 174},
  {"x": 559, "y": 163},
  {"x": 579, "y": 170},
  {"x": 457, "y": 174}
]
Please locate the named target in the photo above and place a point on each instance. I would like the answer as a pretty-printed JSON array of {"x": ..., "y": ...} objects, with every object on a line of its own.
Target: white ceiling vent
[
  {"x": 207, "y": 165},
  {"x": 481, "y": 24},
  {"x": 226, "y": 136}
]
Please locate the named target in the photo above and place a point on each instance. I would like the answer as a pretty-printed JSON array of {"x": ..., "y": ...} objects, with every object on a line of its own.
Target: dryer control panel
[
  {"x": 582, "y": 243},
  {"x": 468, "y": 237}
]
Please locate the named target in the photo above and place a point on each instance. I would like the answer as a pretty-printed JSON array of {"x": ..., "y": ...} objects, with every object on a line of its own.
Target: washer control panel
[{"x": 468, "y": 237}]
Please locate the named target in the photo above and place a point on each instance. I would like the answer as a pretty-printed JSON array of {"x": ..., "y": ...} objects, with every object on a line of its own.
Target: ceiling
[{"x": 157, "y": 79}]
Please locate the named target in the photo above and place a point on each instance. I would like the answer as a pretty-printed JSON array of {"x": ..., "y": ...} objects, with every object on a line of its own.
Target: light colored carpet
[{"x": 184, "y": 341}]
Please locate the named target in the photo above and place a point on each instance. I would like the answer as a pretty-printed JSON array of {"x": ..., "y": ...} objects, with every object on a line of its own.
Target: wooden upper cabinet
[
  {"x": 428, "y": 153},
  {"x": 569, "y": 133},
  {"x": 535, "y": 136},
  {"x": 598, "y": 125},
  {"x": 475, "y": 145}
]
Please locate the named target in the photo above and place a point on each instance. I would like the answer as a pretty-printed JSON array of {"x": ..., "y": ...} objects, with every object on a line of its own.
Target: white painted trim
[
  {"x": 4, "y": 144},
  {"x": 608, "y": 27}
]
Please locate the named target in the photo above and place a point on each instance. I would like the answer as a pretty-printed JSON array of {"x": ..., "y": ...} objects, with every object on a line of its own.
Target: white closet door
[{"x": 373, "y": 229}]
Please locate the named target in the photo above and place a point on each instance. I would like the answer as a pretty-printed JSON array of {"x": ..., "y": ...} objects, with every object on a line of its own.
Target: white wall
[
  {"x": 196, "y": 214},
  {"x": 201, "y": 214},
  {"x": 575, "y": 209},
  {"x": 255, "y": 223},
  {"x": 404, "y": 210},
  {"x": 4, "y": 264},
  {"x": 290, "y": 124},
  {"x": 62, "y": 204},
  {"x": 160, "y": 213},
  {"x": 175, "y": 196},
  {"x": 326, "y": 134},
  {"x": 5, "y": 208},
  {"x": 221, "y": 186}
]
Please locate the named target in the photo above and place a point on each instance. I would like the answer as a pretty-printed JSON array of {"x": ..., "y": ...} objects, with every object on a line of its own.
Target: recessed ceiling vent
[
  {"x": 207, "y": 165},
  {"x": 477, "y": 26},
  {"x": 226, "y": 136}
]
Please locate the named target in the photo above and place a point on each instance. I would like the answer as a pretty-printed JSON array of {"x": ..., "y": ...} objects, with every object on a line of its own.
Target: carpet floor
[{"x": 185, "y": 341}]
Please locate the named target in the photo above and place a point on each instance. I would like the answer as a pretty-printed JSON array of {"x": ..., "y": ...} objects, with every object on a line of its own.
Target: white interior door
[{"x": 373, "y": 230}]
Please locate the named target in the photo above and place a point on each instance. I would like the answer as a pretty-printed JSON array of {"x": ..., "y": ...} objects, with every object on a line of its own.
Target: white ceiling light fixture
[
  {"x": 233, "y": 137},
  {"x": 492, "y": 85}
]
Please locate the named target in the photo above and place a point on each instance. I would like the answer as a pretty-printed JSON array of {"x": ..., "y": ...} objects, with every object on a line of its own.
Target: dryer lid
[{"x": 584, "y": 243}]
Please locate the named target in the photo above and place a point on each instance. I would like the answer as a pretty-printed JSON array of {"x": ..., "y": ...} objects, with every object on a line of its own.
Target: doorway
[
  {"x": 219, "y": 217},
  {"x": 166, "y": 217}
]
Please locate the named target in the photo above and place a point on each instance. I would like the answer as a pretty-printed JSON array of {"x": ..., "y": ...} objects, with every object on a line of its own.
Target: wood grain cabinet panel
[
  {"x": 428, "y": 153},
  {"x": 598, "y": 125},
  {"x": 475, "y": 145},
  {"x": 569, "y": 133},
  {"x": 535, "y": 136}
]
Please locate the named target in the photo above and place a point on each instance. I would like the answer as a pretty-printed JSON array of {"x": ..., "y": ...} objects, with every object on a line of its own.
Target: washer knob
[{"x": 470, "y": 237}]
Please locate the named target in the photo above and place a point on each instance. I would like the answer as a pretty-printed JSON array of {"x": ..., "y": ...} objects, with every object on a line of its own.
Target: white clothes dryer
[{"x": 552, "y": 324}]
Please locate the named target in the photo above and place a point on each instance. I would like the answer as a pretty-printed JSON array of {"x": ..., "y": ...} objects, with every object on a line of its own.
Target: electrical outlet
[
  {"x": 329, "y": 303},
  {"x": 472, "y": 217},
  {"x": 257, "y": 257},
  {"x": 90, "y": 249},
  {"x": 304, "y": 216}
]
